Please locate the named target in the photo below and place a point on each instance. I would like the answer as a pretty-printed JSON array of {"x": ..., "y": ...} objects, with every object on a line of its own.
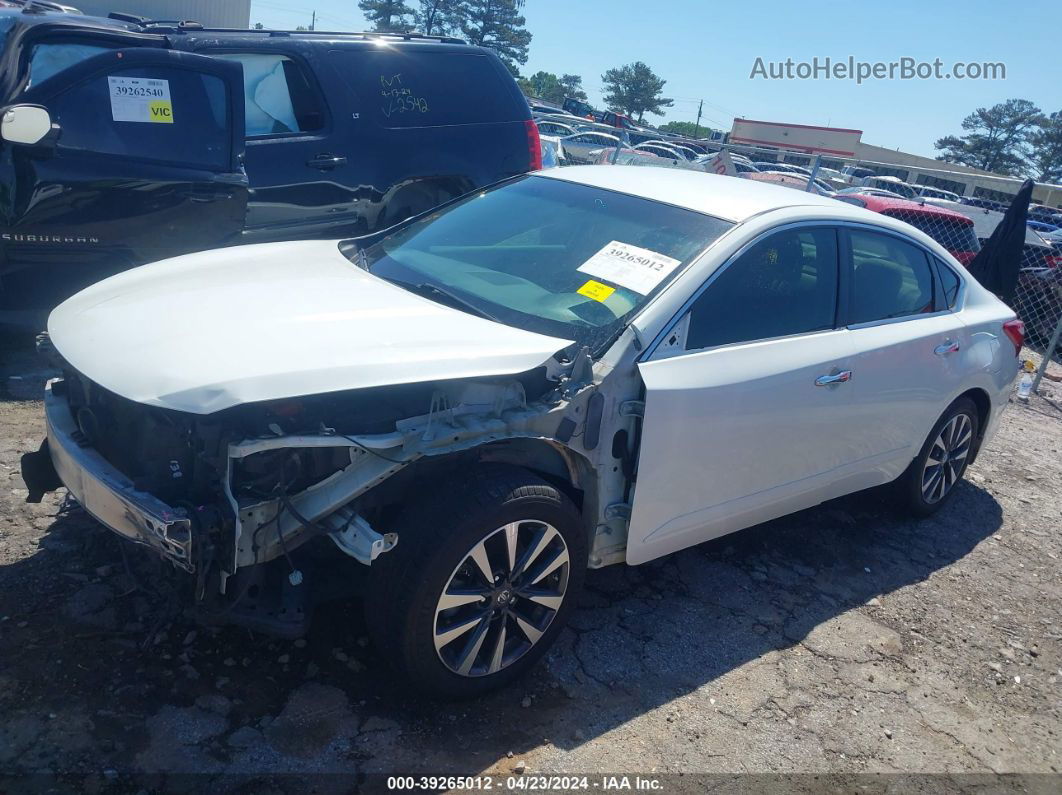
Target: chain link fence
[{"x": 930, "y": 202}]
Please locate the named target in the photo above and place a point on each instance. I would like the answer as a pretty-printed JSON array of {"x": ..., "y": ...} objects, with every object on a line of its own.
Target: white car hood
[{"x": 207, "y": 331}]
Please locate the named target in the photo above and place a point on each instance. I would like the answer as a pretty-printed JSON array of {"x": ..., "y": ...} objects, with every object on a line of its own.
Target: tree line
[
  {"x": 495, "y": 24},
  {"x": 1015, "y": 138}
]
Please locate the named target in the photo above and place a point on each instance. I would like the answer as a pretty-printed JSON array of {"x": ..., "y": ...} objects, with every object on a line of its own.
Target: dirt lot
[{"x": 842, "y": 640}]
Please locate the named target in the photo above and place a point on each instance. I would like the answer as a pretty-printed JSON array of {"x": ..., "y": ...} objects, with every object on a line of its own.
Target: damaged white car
[{"x": 568, "y": 370}]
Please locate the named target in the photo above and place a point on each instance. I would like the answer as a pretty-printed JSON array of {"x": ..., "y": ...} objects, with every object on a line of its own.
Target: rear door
[
  {"x": 147, "y": 164},
  {"x": 912, "y": 351}
]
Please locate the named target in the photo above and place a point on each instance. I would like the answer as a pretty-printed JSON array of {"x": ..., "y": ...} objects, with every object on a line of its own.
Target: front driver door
[
  {"x": 747, "y": 399},
  {"x": 147, "y": 165}
]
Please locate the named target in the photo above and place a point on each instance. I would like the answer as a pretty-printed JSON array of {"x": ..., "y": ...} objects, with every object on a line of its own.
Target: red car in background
[{"x": 952, "y": 230}]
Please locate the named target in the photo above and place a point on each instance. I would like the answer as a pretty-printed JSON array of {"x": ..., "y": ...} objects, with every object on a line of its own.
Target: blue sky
[{"x": 707, "y": 50}]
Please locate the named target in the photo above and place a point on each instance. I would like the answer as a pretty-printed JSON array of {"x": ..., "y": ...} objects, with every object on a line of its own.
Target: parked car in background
[
  {"x": 578, "y": 147},
  {"x": 893, "y": 184},
  {"x": 664, "y": 150},
  {"x": 835, "y": 179},
  {"x": 926, "y": 192},
  {"x": 868, "y": 192},
  {"x": 789, "y": 179},
  {"x": 1042, "y": 228},
  {"x": 767, "y": 165},
  {"x": 578, "y": 107},
  {"x": 567, "y": 370},
  {"x": 854, "y": 175},
  {"x": 954, "y": 231},
  {"x": 151, "y": 140},
  {"x": 554, "y": 128}
]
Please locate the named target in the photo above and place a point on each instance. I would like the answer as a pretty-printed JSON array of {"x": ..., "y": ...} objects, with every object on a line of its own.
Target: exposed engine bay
[{"x": 253, "y": 483}]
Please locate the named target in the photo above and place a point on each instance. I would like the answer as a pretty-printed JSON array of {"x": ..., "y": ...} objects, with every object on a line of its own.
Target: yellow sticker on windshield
[
  {"x": 596, "y": 290},
  {"x": 160, "y": 111}
]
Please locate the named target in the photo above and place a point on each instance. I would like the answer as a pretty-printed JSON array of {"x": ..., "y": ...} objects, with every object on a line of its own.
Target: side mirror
[{"x": 25, "y": 124}]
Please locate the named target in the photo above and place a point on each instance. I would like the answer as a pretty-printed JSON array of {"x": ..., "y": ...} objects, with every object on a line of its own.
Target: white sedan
[{"x": 577, "y": 368}]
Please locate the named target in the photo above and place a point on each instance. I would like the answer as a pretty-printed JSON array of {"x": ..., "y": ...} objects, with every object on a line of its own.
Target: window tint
[
  {"x": 278, "y": 95},
  {"x": 890, "y": 278},
  {"x": 951, "y": 283},
  {"x": 189, "y": 128},
  {"x": 47, "y": 59},
  {"x": 785, "y": 284},
  {"x": 414, "y": 87}
]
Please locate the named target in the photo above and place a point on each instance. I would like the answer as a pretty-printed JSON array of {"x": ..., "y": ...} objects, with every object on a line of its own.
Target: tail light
[
  {"x": 534, "y": 146},
  {"x": 965, "y": 257},
  {"x": 1015, "y": 331},
  {"x": 1054, "y": 261}
]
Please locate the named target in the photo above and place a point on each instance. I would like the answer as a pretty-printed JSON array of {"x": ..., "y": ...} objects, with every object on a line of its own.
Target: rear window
[
  {"x": 417, "y": 88},
  {"x": 951, "y": 233}
]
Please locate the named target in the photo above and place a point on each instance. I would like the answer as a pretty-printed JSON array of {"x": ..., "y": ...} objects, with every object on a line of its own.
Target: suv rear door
[{"x": 147, "y": 164}]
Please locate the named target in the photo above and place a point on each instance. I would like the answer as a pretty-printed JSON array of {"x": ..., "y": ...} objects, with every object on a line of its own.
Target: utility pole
[
  {"x": 313, "y": 20},
  {"x": 697, "y": 129}
]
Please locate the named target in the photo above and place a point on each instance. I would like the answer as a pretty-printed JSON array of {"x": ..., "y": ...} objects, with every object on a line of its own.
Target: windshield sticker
[
  {"x": 637, "y": 269},
  {"x": 140, "y": 99},
  {"x": 596, "y": 290}
]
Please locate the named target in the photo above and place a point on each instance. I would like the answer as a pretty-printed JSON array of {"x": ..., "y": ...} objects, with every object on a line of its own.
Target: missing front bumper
[{"x": 110, "y": 496}]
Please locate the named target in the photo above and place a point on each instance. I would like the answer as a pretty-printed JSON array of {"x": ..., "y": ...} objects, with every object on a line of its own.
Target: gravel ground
[{"x": 842, "y": 640}]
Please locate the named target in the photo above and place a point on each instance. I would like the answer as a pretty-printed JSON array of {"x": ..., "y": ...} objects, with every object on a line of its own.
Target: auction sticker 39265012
[{"x": 635, "y": 268}]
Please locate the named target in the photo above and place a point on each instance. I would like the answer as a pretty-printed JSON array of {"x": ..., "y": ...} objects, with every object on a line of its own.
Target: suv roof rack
[{"x": 186, "y": 25}]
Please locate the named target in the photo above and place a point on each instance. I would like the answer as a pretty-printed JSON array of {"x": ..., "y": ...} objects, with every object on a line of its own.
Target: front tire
[
  {"x": 930, "y": 480},
  {"x": 485, "y": 573}
]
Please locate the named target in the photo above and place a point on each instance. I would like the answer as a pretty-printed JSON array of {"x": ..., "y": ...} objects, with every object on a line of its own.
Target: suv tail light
[
  {"x": 1015, "y": 331},
  {"x": 534, "y": 146}
]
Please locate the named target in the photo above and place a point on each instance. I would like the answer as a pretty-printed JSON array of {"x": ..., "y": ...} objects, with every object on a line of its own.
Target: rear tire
[
  {"x": 429, "y": 605},
  {"x": 929, "y": 482}
]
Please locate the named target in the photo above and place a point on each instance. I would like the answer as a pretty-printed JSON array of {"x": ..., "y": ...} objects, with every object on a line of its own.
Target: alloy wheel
[
  {"x": 501, "y": 598},
  {"x": 946, "y": 458}
]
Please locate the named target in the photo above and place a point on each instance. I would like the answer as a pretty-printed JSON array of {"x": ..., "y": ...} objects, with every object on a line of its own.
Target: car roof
[
  {"x": 880, "y": 204},
  {"x": 729, "y": 198}
]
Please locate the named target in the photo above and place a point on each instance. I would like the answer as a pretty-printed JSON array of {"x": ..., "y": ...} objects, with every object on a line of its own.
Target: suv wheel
[
  {"x": 482, "y": 580},
  {"x": 930, "y": 480}
]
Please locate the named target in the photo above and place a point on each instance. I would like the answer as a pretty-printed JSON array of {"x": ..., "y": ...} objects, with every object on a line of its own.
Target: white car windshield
[{"x": 546, "y": 255}]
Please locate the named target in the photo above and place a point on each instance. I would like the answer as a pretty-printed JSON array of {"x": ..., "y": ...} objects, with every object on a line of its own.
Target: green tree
[
  {"x": 1046, "y": 145},
  {"x": 439, "y": 17},
  {"x": 684, "y": 128},
  {"x": 545, "y": 85},
  {"x": 634, "y": 90},
  {"x": 259, "y": 26},
  {"x": 573, "y": 86},
  {"x": 387, "y": 16},
  {"x": 497, "y": 25},
  {"x": 997, "y": 138}
]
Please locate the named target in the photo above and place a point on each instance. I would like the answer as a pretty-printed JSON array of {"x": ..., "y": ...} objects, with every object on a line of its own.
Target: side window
[
  {"x": 50, "y": 58},
  {"x": 785, "y": 284},
  {"x": 950, "y": 281},
  {"x": 187, "y": 124},
  {"x": 890, "y": 278},
  {"x": 278, "y": 95}
]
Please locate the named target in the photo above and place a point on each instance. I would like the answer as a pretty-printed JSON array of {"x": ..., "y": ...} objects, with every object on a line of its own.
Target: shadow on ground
[{"x": 103, "y": 676}]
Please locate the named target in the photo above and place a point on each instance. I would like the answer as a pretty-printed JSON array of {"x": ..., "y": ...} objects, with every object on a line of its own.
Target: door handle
[
  {"x": 946, "y": 348},
  {"x": 326, "y": 161},
  {"x": 842, "y": 377}
]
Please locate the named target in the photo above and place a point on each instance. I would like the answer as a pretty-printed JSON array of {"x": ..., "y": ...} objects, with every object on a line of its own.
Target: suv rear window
[
  {"x": 951, "y": 233},
  {"x": 419, "y": 88},
  {"x": 278, "y": 96}
]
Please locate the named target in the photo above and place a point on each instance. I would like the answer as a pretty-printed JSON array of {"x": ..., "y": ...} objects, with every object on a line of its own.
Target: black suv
[{"x": 162, "y": 139}]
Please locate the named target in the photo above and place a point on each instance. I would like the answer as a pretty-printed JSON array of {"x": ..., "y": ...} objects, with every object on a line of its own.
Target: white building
[{"x": 211, "y": 13}]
